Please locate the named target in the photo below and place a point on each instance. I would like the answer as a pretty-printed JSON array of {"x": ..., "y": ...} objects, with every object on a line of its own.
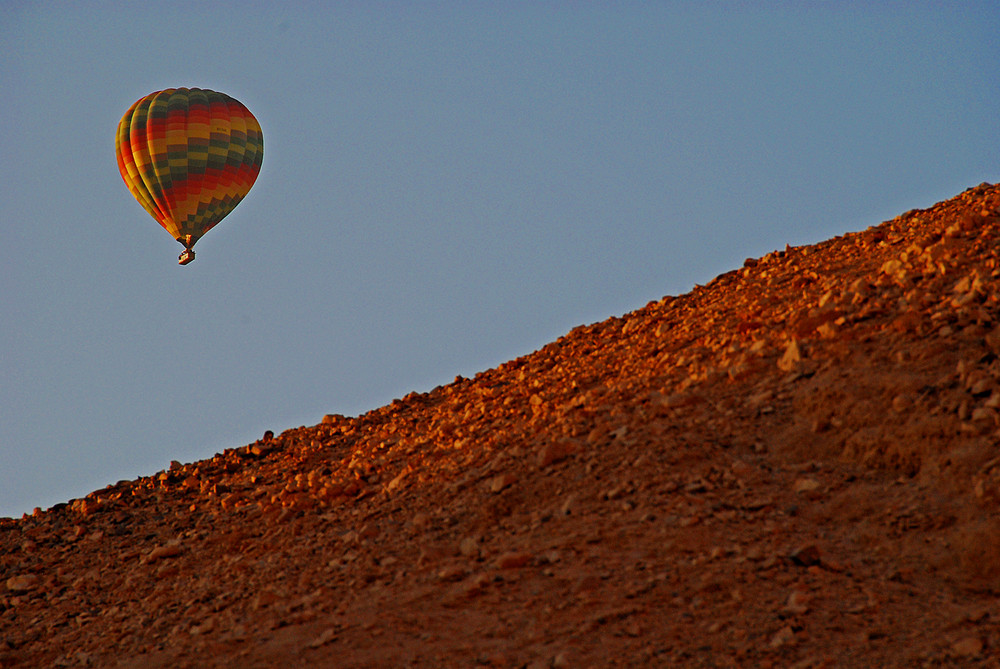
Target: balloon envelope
[{"x": 189, "y": 156}]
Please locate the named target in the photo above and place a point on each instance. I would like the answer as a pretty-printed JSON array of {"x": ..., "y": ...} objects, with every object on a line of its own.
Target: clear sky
[{"x": 446, "y": 186}]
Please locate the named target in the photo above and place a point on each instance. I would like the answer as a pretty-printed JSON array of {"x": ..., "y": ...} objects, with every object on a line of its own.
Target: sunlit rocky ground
[{"x": 796, "y": 465}]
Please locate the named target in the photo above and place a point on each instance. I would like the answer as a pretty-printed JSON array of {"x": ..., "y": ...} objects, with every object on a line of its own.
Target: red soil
[{"x": 796, "y": 465}]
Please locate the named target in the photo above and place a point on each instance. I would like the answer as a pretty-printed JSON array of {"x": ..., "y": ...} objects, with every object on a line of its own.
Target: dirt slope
[{"x": 796, "y": 465}]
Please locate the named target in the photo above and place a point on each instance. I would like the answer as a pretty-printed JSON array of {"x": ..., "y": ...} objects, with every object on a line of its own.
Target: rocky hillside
[{"x": 796, "y": 465}]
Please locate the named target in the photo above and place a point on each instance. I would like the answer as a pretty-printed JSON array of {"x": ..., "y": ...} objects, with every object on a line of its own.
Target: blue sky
[{"x": 446, "y": 186}]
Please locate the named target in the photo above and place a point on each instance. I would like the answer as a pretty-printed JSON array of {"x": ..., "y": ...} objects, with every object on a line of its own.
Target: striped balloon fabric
[{"x": 189, "y": 156}]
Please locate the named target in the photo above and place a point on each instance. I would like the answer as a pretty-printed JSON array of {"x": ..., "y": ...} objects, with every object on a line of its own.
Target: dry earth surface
[{"x": 796, "y": 465}]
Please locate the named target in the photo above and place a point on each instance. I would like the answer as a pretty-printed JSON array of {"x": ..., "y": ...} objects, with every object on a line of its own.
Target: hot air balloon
[{"x": 189, "y": 156}]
